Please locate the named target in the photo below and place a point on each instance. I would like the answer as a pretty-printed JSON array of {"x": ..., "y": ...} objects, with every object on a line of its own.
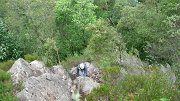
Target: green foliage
[
  {"x": 102, "y": 91},
  {"x": 151, "y": 87},
  {"x": 167, "y": 49},
  {"x": 2, "y": 8},
  {"x": 104, "y": 8},
  {"x": 72, "y": 18},
  {"x": 9, "y": 49},
  {"x": 57, "y": 30},
  {"x": 31, "y": 22},
  {"x": 164, "y": 99},
  {"x": 6, "y": 65},
  {"x": 52, "y": 52},
  {"x": 71, "y": 61},
  {"x": 148, "y": 87},
  {"x": 111, "y": 9},
  {"x": 147, "y": 24},
  {"x": 31, "y": 57},
  {"x": 105, "y": 44},
  {"x": 6, "y": 87},
  {"x": 4, "y": 76},
  {"x": 176, "y": 69}
]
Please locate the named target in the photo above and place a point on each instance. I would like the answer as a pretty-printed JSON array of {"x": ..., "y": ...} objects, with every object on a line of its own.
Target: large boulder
[
  {"x": 47, "y": 87},
  {"x": 20, "y": 71},
  {"x": 85, "y": 84},
  {"x": 41, "y": 83},
  {"x": 131, "y": 64}
]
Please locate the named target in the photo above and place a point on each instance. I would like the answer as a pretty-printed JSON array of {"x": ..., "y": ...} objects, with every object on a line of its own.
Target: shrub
[
  {"x": 9, "y": 47},
  {"x": 6, "y": 87},
  {"x": 6, "y": 65},
  {"x": 105, "y": 92},
  {"x": 102, "y": 92},
  {"x": 147, "y": 87},
  {"x": 31, "y": 57}
]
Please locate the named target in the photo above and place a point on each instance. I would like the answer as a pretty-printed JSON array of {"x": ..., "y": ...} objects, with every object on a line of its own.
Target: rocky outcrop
[
  {"x": 41, "y": 83},
  {"x": 47, "y": 87},
  {"x": 131, "y": 64},
  {"x": 50, "y": 84},
  {"x": 85, "y": 84},
  {"x": 20, "y": 71},
  {"x": 38, "y": 68}
]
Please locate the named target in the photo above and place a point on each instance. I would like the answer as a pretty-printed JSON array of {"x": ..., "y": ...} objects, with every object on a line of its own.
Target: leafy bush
[
  {"x": 6, "y": 65},
  {"x": 100, "y": 94},
  {"x": 104, "y": 92},
  {"x": 31, "y": 57},
  {"x": 72, "y": 38},
  {"x": 9, "y": 48},
  {"x": 147, "y": 87},
  {"x": 6, "y": 87}
]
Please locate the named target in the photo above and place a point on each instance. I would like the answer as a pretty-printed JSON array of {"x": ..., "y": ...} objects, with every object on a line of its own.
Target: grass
[
  {"x": 6, "y": 65},
  {"x": 6, "y": 87}
]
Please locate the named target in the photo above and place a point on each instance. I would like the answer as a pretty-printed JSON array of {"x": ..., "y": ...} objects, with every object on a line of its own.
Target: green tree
[
  {"x": 6, "y": 87},
  {"x": 32, "y": 22},
  {"x": 72, "y": 18},
  {"x": 106, "y": 44},
  {"x": 145, "y": 23},
  {"x": 2, "y": 8},
  {"x": 9, "y": 48}
]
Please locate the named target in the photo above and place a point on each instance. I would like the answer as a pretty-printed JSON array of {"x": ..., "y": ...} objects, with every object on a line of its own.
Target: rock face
[
  {"x": 85, "y": 84},
  {"x": 38, "y": 68},
  {"x": 50, "y": 84},
  {"x": 41, "y": 83},
  {"x": 47, "y": 87},
  {"x": 20, "y": 71},
  {"x": 131, "y": 64}
]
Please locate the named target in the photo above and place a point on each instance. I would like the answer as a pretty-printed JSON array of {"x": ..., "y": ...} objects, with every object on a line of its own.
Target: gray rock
[
  {"x": 38, "y": 68},
  {"x": 20, "y": 71},
  {"x": 62, "y": 73},
  {"x": 59, "y": 70},
  {"x": 131, "y": 64},
  {"x": 171, "y": 77},
  {"x": 85, "y": 84},
  {"x": 47, "y": 87},
  {"x": 41, "y": 83}
]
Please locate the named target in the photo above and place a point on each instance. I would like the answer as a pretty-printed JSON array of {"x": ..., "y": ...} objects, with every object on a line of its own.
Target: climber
[{"x": 82, "y": 69}]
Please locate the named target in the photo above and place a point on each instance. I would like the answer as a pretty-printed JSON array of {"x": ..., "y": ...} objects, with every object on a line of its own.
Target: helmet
[{"x": 81, "y": 66}]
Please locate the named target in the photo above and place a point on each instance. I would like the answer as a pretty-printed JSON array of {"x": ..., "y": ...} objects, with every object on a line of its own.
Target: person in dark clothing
[{"x": 82, "y": 69}]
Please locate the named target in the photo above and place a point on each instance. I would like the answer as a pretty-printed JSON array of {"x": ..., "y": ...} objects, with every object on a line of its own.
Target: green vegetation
[
  {"x": 6, "y": 65},
  {"x": 148, "y": 87},
  {"x": 68, "y": 27},
  {"x": 70, "y": 31},
  {"x": 31, "y": 57},
  {"x": 6, "y": 92}
]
